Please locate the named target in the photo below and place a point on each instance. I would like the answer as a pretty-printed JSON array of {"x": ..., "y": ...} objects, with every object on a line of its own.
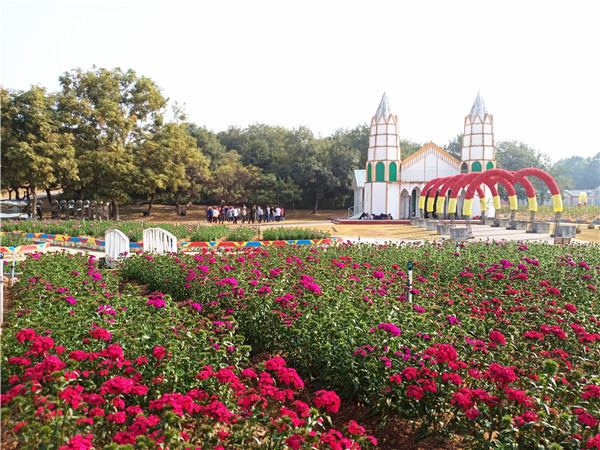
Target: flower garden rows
[
  {"x": 500, "y": 345},
  {"x": 134, "y": 230}
]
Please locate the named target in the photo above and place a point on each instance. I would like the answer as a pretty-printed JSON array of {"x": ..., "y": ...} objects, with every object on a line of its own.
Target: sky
[{"x": 325, "y": 64}]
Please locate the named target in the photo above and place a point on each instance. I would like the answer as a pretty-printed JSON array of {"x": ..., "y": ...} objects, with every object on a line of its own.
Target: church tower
[
  {"x": 478, "y": 151},
  {"x": 382, "y": 187}
]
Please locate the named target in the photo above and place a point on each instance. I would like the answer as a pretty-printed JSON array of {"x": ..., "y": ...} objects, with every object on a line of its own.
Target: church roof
[
  {"x": 384, "y": 108},
  {"x": 478, "y": 107},
  {"x": 427, "y": 149},
  {"x": 360, "y": 177}
]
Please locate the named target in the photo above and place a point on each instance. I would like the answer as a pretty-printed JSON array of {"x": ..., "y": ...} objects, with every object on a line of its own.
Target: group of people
[
  {"x": 223, "y": 214},
  {"x": 382, "y": 216}
]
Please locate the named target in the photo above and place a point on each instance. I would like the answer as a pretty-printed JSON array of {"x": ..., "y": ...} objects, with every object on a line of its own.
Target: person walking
[
  {"x": 252, "y": 214},
  {"x": 260, "y": 213}
]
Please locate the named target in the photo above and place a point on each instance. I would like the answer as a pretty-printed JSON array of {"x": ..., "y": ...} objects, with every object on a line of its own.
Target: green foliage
[
  {"x": 409, "y": 147},
  {"x": 35, "y": 152},
  {"x": 454, "y": 147},
  {"x": 577, "y": 172},
  {"x": 241, "y": 234},
  {"x": 132, "y": 229},
  {"x": 292, "y": 234},
  {"x": 13, "y": 240},
  {"x": 208, "y": 233},
  {"x": 110, "y": 113},
  {"x": 514, "y": 156}
]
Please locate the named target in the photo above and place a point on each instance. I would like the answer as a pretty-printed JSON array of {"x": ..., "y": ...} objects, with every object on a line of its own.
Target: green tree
[
  {"x": 162, "y": 159},
  {"x": 409, "y": 147},
  {"x": 514, "y": 156},
  {"x": 35, "y": 153},
  {"x": 108, "y": 112},
  {"x": 232, "y": 181},
  {"x": 577, "y": 172},
  {"x": 208, "y": 143},
  {"x": 454, "y": 146}
]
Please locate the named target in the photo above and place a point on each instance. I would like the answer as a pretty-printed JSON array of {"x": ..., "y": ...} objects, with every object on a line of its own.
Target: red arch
[
  {"x": 434, "y": 186},
  {"x": 490, "y": 175},
  {"x": 547, "y": 179}
]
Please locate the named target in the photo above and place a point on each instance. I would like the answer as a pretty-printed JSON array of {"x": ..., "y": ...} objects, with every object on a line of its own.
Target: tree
[
  {"x": 577, "y": 172},
  {"x": 408, "y": 147},
  {"x": 514, "y": 156},
  {"x": 231, "y": 180},
  {"x": 208, "y": 143},
  {"x": 455, "y": 145},
  {"x": 108, "y": 112},
  {"x": 34, "y": 151},
  {"x": 162, "y": 159}
]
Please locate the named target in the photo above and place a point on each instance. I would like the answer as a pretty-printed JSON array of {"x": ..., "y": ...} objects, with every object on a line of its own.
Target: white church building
[{"x": 390, "y": 185}]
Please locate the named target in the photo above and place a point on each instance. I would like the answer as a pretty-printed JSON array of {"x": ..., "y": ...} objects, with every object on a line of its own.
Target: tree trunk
[
  {"x": 17, "y": 194},
  {"x": 34, "y": 205},
  {"x": 150, "y": 204},
  {"x": 175, "y": 199},
  {"x": 49, "y": 195},
  {"x": 316, "y": 207},
  {"x": 114, "y": 213}
]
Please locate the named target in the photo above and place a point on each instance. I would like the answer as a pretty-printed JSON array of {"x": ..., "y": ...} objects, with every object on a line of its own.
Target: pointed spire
[
  {"x": 478, "y": 107},
  {"x": 384, "y": 108}
]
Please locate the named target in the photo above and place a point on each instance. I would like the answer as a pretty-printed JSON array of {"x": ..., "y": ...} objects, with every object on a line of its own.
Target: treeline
[{"x": 110, "y": 135}]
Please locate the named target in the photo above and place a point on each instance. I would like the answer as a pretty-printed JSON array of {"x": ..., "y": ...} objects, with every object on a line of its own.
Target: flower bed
[
  {"x": 86, "y": 364},
  {"x": 500, "y": 344}
]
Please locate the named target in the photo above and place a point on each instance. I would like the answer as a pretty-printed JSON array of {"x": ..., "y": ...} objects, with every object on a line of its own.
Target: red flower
[
  {"x": 472, "y": 413},
  {"x": 496, "y": 336},
  {"x": 329, "y": 399},
  {"x": 414, "y": 391},
  {"x": 159, "y": 352}
]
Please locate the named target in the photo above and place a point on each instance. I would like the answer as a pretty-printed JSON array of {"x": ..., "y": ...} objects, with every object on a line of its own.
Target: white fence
[
  {"x": 116, "y": 246},
  {"x": 157, "y": 240}
]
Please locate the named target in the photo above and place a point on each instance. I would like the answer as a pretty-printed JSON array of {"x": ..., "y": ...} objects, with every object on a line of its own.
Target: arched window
[
  {"x": 369, "y": 170},
  {"x": 489, "y": 166},
  {"x": 476, "y": 167},
  {"x": 379, "y": 172},
  {"x": 464, "y": 168},
  {"x": 393, "y": 172}
]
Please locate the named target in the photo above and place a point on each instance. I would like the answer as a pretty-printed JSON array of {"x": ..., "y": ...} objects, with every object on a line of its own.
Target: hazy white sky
[{"x": 325, "y": 64}]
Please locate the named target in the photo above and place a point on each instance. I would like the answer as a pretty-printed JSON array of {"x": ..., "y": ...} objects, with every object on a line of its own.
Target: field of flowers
[
  {"x": 500, "y": 345},
  {"x": 134, "y": 230},
  {"x": 88, "y": 364}
]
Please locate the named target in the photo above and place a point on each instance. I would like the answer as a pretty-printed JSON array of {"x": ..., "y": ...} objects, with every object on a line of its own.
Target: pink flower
[
  {"x": 571, "y": 308},
  {"x": 496, "y": 336},
  {"x": 393, "y": 329},
  {"x": 79, "y": 442},
  {"x": 591, "y": 390},
  {"x": 26, "y": 334},
  {"x": 329, "y": 399},
  {"x": 472, "y": 413},
  {"x": 275, "y": 363},
  {"x": 158, "y": 352},
  {"x": 294, "y": 441},
  {"x": 410, "y": 373},
  {"x": 414, "y": 391},
  {"x": 500, "y": 374}
]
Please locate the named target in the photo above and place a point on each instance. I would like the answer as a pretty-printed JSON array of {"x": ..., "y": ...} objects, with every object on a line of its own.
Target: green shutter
[
  {"x": 476, "y": 167},
  {"x": 369, "y": 170},
  {"x": 379, "y": 172},
  {"x": 393, "y": 172},
  {"x": 489, "y": 166}
]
